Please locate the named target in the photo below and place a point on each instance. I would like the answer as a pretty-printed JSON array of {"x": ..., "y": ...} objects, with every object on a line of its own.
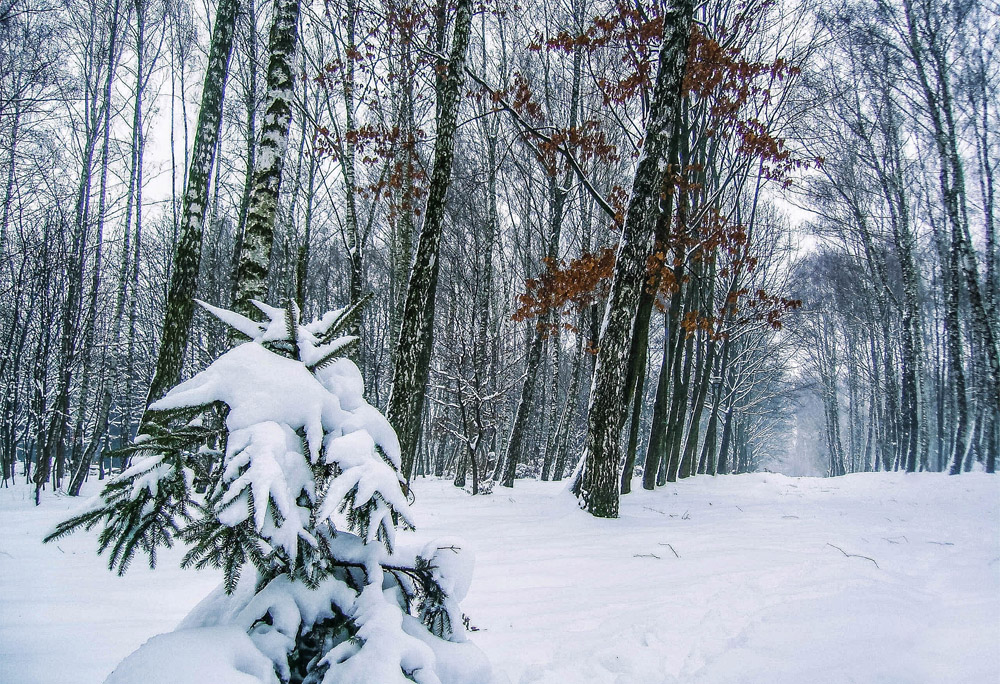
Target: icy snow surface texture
[{"x": 220, "y": 655}]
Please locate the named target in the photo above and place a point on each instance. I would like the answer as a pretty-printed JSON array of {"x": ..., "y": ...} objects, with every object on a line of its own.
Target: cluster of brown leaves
[
  {"x": 617, "y": 197},
  {"x": 391, "y": 147},
  {"x": 571, "y": 286},
  {"x": 741, "y": 309},
  {"x": 522, "y": 99},
  {"x": 718, "y": 233},
  {"x": 563, "y": 285},
  {"x": 694, "y": 321},
  {"x": 777, "y": 161},
  {"x": 745, "y": 307},
  {"x": 627, "y": 23},
  {"x": 724, "y": 78},
  {"x": 632, "y": 30},
  {"x": 588, "y": 142}
]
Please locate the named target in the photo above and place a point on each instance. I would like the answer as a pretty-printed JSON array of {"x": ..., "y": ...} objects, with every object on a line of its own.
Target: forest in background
[{"x": 494, "y": 159}]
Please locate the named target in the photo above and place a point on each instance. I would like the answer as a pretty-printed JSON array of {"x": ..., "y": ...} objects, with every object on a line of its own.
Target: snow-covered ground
[{"x": 757, "y": 578}]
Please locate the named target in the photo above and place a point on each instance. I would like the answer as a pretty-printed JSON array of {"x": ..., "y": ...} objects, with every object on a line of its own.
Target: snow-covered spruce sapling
[{"x": 301, "y": 505}]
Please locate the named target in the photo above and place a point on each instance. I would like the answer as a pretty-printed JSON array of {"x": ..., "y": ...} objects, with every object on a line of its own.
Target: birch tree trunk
[
  {"x": 401, "y": 252},
  {"x": 258, "y": 238},
  {"x": 347, "y": 159},
  {"x": 250, "y": 160}
]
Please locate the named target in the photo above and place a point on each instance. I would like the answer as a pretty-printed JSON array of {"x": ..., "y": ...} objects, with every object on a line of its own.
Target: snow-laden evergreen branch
[{"x": 301, "y": 506}]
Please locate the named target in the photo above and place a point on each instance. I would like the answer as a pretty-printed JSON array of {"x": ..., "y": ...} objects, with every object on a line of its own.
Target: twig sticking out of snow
[
  {"x": 677, "y": 555},
  {"x": 852, "y": 555},
  {"x": 646, "y": 555}
]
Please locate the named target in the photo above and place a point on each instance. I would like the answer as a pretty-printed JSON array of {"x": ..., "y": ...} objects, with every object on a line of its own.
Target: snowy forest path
[
  {"x": 735, "y": 579},
  {"x": 746, "y": 578}
]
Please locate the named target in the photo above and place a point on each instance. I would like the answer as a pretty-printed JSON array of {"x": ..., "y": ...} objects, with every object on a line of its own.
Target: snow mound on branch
[
  {"x": 453, "y": 564},
  {"x": 270, "y": 397},
  {"x": 265, "y": 463},
  {"x": 343, "y": 379},
  {"x": 382, "y": 651},
  {"x": 260, "y": 386},
  {"x": 456, "y": 663}
]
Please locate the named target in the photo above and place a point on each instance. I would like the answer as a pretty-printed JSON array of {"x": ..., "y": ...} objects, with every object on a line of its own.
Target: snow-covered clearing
[{"x": 757, "y": 578}]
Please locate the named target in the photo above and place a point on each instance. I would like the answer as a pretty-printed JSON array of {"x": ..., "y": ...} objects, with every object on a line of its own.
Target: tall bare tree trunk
[
  {"x": 187, "y": 257},
  {"x": 413, "y": 348},
  {"x": 932, "y": 65},
  {"x": 354, "y": 242},
  {"x": 600, "y": 480}
]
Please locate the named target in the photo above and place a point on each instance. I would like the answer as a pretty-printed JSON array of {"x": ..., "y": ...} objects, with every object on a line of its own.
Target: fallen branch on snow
[
  {"x": 671, "y": 548},
  {"x": 852, "y": 555}
]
